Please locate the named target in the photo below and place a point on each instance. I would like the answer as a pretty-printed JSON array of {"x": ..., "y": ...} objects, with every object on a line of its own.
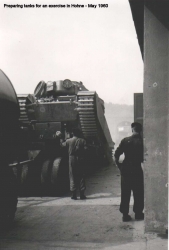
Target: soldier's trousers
[
  {"x": 132, "y": 182},
  {"x": 76, "y": 174}
]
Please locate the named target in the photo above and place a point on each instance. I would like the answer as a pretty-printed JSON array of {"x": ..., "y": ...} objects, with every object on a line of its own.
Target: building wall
[
  {"x": 113, "y": 123},
  {"x": 156, "y": 121}
]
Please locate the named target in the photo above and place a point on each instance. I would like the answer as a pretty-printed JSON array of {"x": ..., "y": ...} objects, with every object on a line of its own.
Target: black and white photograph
[{"x": 84, "y": 124}]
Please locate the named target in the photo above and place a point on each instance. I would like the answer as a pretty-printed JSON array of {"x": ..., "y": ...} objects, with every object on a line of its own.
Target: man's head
[
  {"x": 58, "y": 134},
  {"x": 136, "y": 127},
  {"x": 76, "y": 132}
]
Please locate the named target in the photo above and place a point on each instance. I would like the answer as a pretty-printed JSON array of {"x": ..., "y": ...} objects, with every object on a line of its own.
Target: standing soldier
[
  {"x": 76, "y": 147},
  {"x": 131, "y": 173}
]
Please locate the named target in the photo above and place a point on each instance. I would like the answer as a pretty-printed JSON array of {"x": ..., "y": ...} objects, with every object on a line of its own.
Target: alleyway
[{"x": 95, "y": 223}]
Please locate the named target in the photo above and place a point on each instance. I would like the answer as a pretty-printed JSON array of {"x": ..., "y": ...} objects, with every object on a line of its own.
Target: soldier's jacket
[
  {"x": 132, "y": 147},
  {"x": 76, "y": 146}
]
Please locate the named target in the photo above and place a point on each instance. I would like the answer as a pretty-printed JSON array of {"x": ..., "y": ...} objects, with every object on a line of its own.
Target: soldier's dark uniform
[{"x": 131, "y": 173}]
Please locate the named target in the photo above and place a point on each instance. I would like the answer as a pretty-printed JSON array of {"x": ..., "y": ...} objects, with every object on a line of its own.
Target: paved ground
[{"x": 61, "y": 223}]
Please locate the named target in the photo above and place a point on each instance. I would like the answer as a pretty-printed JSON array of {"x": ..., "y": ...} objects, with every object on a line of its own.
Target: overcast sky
[{"x": 96, "y": 46}]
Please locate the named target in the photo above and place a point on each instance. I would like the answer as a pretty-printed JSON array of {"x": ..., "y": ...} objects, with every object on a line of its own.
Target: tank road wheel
[
  {"x": 55, "y": 171},
  {"x": 59, "y": 176},
  {"x": 24, "y": 174},
  {"x": 8, "y": 197},
  {"x": 24, "y": 182},
  {"x": 45, "y": 177}
]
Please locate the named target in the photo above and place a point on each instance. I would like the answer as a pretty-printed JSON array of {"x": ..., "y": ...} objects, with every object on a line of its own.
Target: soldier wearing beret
[{"x": 131, "y": 173}]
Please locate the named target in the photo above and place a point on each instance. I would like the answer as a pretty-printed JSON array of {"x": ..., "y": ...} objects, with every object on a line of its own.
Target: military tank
[
  {"x": 59, "y": 106},
  {"x": 9, "y": 137}
]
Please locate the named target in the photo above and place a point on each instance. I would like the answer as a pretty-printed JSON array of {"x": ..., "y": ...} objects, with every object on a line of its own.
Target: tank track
[
  {"x": 87, "y": 113},
  {"x": 22, "y": 105}
]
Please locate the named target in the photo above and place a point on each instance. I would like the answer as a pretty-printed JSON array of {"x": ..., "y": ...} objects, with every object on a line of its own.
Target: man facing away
[
  {"x": 76, "y": 147},
  {"x": 131, "y": 173}
]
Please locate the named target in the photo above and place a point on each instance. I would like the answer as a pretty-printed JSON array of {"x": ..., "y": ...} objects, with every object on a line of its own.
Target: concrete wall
[{"x": 156, "y": 121}]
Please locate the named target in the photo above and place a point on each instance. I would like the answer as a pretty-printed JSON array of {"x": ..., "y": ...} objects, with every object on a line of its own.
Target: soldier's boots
[
  {"x": 139, "y": 216},
  {"x": 74, "y": 197},
  {"x": 126, "y": 217},
  {"x": 82, "y": 195}
]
